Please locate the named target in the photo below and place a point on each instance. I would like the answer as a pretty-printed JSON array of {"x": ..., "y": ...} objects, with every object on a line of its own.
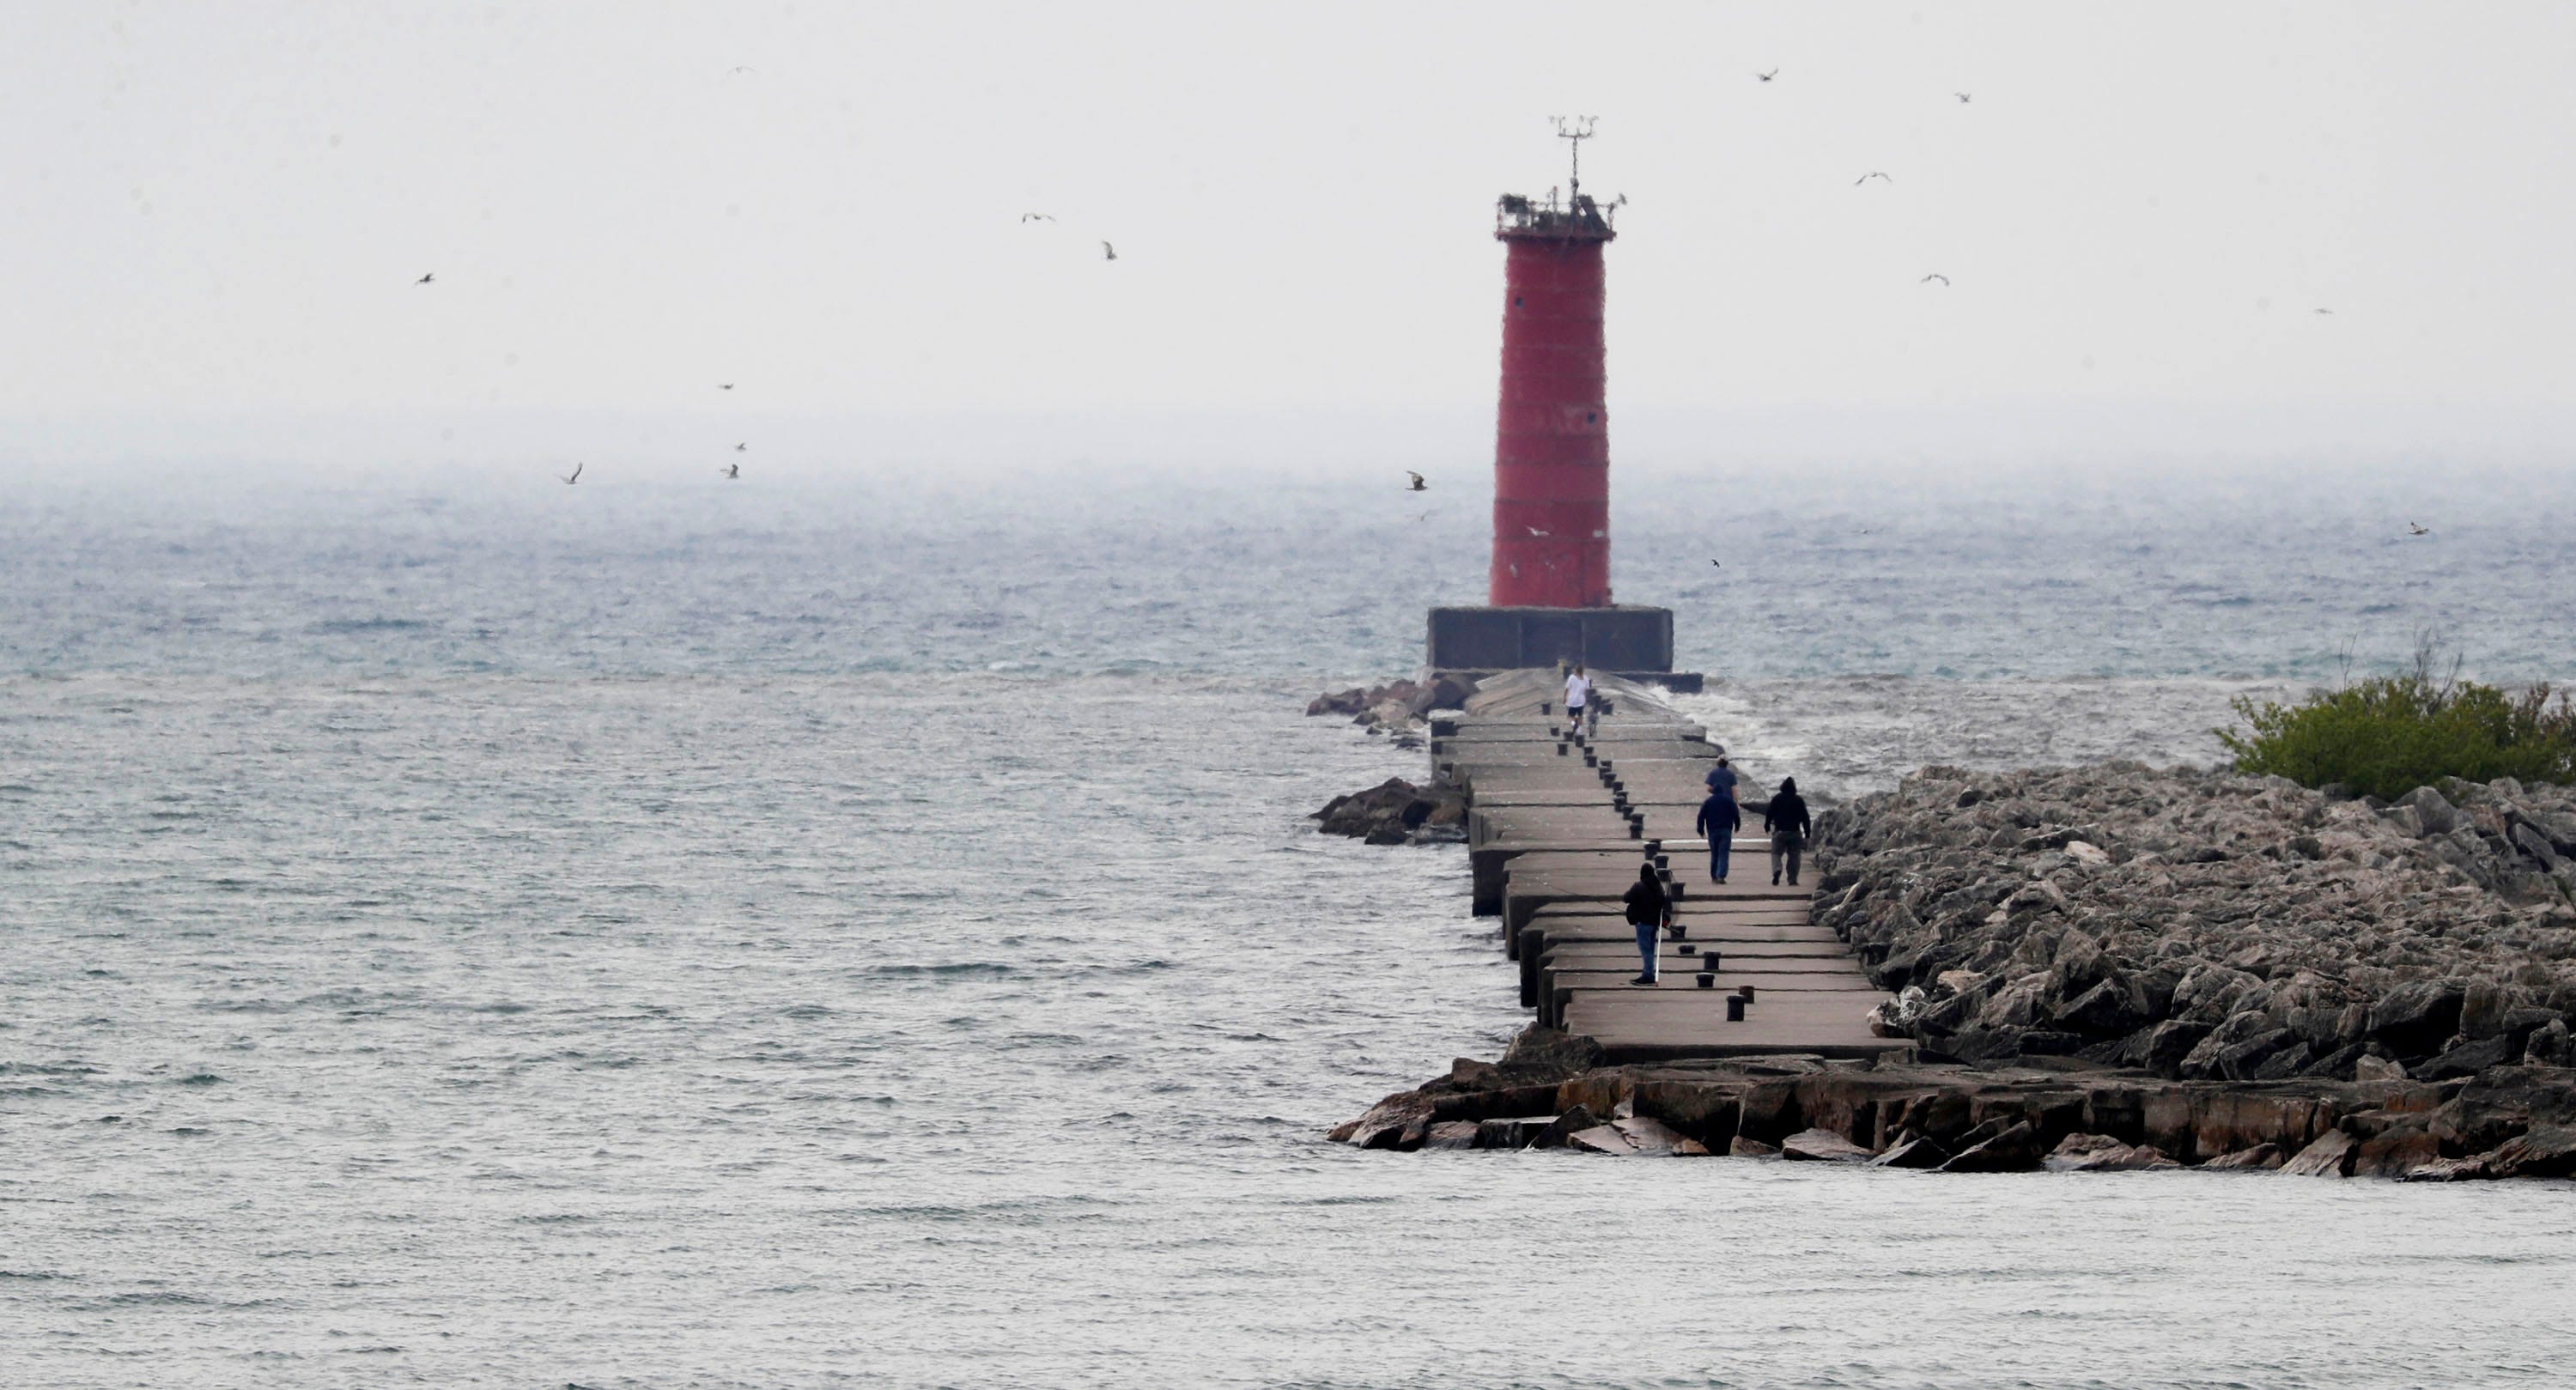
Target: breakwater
[{"x": 2098, "y": 968}]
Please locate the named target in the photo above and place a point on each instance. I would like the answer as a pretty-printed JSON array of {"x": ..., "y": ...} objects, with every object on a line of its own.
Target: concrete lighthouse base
[{"x": 1622, "y": 641}]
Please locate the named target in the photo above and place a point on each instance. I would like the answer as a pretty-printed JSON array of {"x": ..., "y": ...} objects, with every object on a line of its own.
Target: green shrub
[{"x": 2387, "y": 735}]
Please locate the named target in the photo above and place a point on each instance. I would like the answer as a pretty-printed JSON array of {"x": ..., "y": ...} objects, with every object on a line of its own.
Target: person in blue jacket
[{"x": 1718, "y": 820}]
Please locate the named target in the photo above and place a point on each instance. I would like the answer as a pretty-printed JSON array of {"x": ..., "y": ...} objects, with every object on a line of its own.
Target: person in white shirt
[{"x": 1578, "y": 694}]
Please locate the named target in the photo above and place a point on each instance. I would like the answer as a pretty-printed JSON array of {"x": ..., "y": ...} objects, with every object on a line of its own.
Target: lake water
[{"x": 867, "y": 934}]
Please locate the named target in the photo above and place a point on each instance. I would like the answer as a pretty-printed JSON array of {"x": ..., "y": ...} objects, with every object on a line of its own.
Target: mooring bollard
[
  {"x": 1734, "y": 1007},
  {"x": 1662, "y": 861},
  {"x": 1560, "y": 747},
  {"x": 1708, "y": 982},
  {"x": 1636, "y": 831},
  {"x": 1710, "y": 959},
  {"x": 1745, "y": 993}
]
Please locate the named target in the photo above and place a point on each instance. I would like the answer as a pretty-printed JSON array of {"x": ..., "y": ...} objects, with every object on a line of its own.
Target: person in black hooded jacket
[
  {"x": 1648, "y": 911},
  {"x": 1787, "y": 821}
]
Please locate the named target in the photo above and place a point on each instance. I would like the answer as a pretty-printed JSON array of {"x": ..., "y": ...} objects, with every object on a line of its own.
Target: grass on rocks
[{"x": 2384, "y": 736}]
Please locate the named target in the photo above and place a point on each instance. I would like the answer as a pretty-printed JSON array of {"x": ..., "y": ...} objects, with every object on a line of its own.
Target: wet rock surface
[
  {"x": 1396, "y": 812},
  {"x": 2207, "y": 926},
  {"x": 1396, "y": 709},
  {"x": 2058, "y": 1113}
]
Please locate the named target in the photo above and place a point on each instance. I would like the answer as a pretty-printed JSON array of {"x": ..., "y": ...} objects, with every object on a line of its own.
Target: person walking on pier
[
  {"x": 1786, "y": 819},
  {"x": 1718, "y": 820},
  {"x": 1649, "y": 911},
  {"x": 1578, "y": 696},
  {"x": 1721, "y": 779}
]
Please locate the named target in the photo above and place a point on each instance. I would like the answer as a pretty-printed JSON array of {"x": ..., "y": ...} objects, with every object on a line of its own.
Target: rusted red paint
[{"x": 1552, "y": 430}]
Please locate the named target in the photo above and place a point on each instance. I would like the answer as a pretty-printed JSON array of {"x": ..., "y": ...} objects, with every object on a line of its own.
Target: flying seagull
[
  {"x": 2325, "y": 311},
  {"x": 1962, "y": 96},
  {"x": 731, "y": 470},
  {"x": 738, "y": 71},
  {"x": 426, "y": 278},
  {"x": 742, "y": 448},
  {"x": 1872, "y": 174},
  {"x": 724, "y": 385},
  {"x": 2418, "y": 529},
  {"x": 1766, "y": 76},
  {"x": 1108, "y": 252},
  {"x": 1418, "y": 484},
  {"x": 572, "y": 477},
  {"x": 1721, "y": 564},
  {"x": 1035, "y": 217},
  {"x": 1935, "y": 275},
  {"x": 1534, "y": 531}
]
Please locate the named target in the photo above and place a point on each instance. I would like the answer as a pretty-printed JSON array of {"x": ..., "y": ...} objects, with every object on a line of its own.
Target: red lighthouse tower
[
  {"x": 1552, "y": 430},
  {"x": 1549, "y": 586}
]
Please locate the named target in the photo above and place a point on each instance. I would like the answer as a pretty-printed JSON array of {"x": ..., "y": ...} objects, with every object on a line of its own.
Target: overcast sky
[{"x": 224, "y": 207}]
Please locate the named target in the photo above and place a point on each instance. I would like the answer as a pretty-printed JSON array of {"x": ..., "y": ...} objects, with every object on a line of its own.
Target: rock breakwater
[
  {"x": 1396, "y": 812},
  {"x": 1396, "y": 709},
  {"x": 2207, "y": 926},
  {"x": 2510, "y": 1121}
]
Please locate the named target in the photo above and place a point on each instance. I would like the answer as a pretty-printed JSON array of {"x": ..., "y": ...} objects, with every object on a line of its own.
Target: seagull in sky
[
  {"x": 1721, "y": 564},
  {"x": 1035, "y": 217},
  {"x": 1935, "y": 275},
  {"x": 572, "y": 477},
  {"x": 1418, "y": 484},
  {"x": 742, "y": 448},
  {"x": 1766, "y": 76},
  {"x": 731, "y": 470},
  {"x": 2414, "y": 528},
  {"x": 1534, "y": 531},
  {"x": 426, "y": 278},
  {"x": 2325, "y": 311},
  {"x": 724, "y": 385},
  {"x": 1962, "y": 96},
  {"x": 1872, "y": 174},
  {"x": 739, "y": 71},
  {"x": 1108, "y": 252}
]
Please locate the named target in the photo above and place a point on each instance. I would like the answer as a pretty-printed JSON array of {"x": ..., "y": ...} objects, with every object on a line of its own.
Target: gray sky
[{"x": 223, "y": 207}]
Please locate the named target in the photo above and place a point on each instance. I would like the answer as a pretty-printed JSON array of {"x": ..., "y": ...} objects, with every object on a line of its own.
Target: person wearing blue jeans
[
  {"x": 1648, "y": 911},
  {"x": 1718, "y": 820}
]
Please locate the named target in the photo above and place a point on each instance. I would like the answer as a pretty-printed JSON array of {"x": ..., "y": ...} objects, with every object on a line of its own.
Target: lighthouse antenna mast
[{"x": 1574, "y": 130}]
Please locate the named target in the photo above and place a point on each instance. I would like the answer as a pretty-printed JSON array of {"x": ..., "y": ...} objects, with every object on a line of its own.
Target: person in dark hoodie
[
  {"x": 1648, "y": 911},
  {"x": 1787, "y": 821},
  {"x": 1718, "y": 820}
]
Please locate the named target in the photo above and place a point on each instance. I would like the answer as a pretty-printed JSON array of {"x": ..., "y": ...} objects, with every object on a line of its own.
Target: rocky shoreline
[
  {"x": 2119, "y": 967},
  {"x": 1951, "y": 1117}
]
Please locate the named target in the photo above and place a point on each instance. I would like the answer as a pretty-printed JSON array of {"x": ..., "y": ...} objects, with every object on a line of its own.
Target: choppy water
[{"x": 871, "y": 938}]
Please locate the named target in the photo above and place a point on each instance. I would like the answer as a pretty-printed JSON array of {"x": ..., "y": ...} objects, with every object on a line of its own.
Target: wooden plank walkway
[{"x": 1559, "y": 822}]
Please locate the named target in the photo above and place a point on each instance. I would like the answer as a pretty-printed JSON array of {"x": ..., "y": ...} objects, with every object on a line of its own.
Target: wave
[{"x": 344, "y": 627}]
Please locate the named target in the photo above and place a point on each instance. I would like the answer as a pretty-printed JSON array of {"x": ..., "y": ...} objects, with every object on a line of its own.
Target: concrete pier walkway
[{"x": 1559, "y": 821}]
